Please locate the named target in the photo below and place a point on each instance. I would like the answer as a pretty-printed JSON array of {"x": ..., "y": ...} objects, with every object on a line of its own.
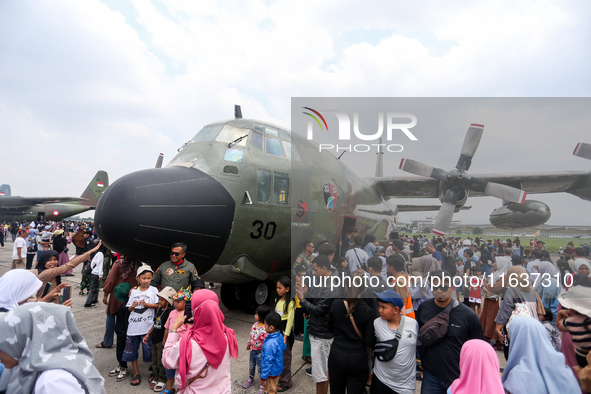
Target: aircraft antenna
[
  {"x": 380, "y": 161},
  {"x": 339, "y": 158},
  {"x": 237, "y": 112}
]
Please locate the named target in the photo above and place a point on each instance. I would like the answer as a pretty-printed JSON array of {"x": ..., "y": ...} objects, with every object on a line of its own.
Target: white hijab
[{"x": 16, "y": 286}]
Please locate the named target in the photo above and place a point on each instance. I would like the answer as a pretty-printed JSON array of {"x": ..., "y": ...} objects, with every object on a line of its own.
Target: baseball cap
[
  {"x": 392, "y": 297},
  {"x": 467, "y": 242},
  {"x": 143, "y": 268},
  {"x": 167, "y": 294},
  {"x": 21, "y": 231},
  {"x": 47, "y": 227},
  {"x": 199, "y": 283},
  {"x": 381, "y": 249},
  {"x": 459, "y": 259}
]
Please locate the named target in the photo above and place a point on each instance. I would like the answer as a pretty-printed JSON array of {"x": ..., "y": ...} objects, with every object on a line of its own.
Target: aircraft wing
[
  {"x": 16, "y": 202},
  {"x": 421, "y": 187}
]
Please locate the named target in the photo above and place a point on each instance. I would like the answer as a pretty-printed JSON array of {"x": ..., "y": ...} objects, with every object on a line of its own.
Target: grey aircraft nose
[{"x": 143, "y": 213}]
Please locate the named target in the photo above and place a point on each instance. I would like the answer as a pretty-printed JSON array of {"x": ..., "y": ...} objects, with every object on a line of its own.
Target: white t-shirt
[
  {"x": 19, "y": 243},
  {"x": 58, "y": 381},
  {"x": 399, "y": 373},
  {"x": 97, "y": 264},
  {"x": 141, "y": 319}
]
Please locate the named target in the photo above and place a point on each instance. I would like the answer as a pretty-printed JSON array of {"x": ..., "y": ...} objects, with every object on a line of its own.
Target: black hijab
[
  {"x": 59, "y": 243},
  {"x": 43, "y": 259}
]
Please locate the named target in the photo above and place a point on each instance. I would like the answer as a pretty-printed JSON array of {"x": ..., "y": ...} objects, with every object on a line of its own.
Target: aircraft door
[
  {"x": 348, "y": 223},
  {"x": 40, "y": 216}
]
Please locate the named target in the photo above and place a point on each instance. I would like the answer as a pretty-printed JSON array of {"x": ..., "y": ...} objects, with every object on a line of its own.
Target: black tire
[
  {"x": 229, "y": 293},
  {"x": 254, "y": 294}
]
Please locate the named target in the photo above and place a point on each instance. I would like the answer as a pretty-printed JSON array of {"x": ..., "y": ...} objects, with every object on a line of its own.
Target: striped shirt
[{"x": 579, "y": 327}]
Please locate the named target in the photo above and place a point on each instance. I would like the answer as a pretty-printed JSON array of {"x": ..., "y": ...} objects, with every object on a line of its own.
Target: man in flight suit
[{"x": 177, "y": 272}]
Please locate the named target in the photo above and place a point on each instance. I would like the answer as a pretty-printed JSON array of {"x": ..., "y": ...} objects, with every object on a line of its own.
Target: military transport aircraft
[
  {"x": 51, "y": 208},
  {"x": 244, "y": 195}
]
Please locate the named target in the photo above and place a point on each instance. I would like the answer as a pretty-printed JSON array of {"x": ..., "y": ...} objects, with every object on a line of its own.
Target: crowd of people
[{"x": 434, "y": 310}]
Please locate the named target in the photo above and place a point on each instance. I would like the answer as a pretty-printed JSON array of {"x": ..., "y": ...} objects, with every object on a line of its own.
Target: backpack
[{"x": 433, "y": 332}]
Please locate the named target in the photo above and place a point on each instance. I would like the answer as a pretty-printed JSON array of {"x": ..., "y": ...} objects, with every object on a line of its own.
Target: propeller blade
[
  {"x": 471, "y": 142},
  {"x": 159, "y": 161},
  {"x": 446, "y": 211},
  {"x": 418, "y": 168},
  {"x": 583, "y": 150},
  {"x": 505, "y": 192}
]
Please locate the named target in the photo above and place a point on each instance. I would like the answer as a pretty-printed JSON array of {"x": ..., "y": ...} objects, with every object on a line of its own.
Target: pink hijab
[
  {"x": 208, "y": 331},
  {"x": 479, "y": 370}
]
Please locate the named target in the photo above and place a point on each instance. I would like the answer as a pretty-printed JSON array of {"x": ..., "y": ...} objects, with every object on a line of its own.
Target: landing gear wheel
[
  {"x": 253, "y": 294},
  {"x": 230, "y": 296}
]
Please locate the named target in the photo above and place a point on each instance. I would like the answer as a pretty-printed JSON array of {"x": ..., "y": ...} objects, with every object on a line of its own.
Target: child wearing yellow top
[{"x": 285, "y": 307}]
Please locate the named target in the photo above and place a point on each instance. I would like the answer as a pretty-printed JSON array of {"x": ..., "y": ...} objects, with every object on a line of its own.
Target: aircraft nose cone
[{"x": 143, "y": 213}]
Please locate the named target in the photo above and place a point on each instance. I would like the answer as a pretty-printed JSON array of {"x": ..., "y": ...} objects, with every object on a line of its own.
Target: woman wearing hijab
[
  {"x": 547, "y": 285},
  {"x": 60, "y": 243},
  {"x": 533, "y": 365},
  {"x": 49, "y": 271},
  {"x": 422, "y": 292},
  {"x": 202, "y": 357},
  {"x": 123, "y": 270},
  {"x": 479, "y": 370},
  {"x": 490, "y": 307},
  {"x": 582, "y": 266},
  {"x": 52, "y": 356},
  {"x": 518, "y": 292},
  {"x": 17, "y": 287}
]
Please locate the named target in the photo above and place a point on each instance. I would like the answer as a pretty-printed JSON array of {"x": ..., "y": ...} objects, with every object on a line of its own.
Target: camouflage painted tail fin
[{"x": 96, "y": 187}]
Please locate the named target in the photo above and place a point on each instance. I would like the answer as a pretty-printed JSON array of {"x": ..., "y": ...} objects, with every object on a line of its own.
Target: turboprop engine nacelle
[{"x": 514, "y": 215}]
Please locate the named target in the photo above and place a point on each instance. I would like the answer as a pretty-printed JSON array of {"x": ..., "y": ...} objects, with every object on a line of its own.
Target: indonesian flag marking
[
  {"x": 2, "y": 193},
  {"x": 100, "y": 184}
]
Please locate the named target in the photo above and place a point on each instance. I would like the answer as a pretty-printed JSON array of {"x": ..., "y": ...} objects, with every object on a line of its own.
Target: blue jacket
[{"x": 272, "y": 358}]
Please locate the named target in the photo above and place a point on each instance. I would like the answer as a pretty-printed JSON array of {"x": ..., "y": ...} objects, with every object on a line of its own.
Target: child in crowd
[
  {"x": 552, "y": 330},
  {"x": 285, "y": 307},
  {"x": 272, "y": 357},
  {"x": 298, "y": 321},
  {"x": 142, "y": 302},
  {"x": 198, "y": 284},
  {"x": 576, "y": 320},
  {"x": 180, "y": 300},
  {"x": 158, "y": 379},
  {"x": 475, "y": 295},
  {"x": 460, "y": 273},
  {"x": 255, "y": 345},
  {"x": 121, "y": 293}
]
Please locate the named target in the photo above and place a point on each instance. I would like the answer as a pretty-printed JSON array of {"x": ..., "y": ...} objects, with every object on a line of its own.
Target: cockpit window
[
  {"x": 291, "y": 151},
  {"x": 264, "y": 186},
  {"x": 274, "y": 146},
  {"x": 256, "y": 141},
  {"x": 234, "y": 155},
  {"x": 271, "y": 131},
  {"x": 259, "y": 127},
  {"x": 207, "y": 133},
  {"x": 283, "y": 134},
  {"x": 233, "y": 133},
  {"x": 280, "y": 188}
]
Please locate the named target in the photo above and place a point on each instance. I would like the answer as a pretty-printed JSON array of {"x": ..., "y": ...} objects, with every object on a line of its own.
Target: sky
[{"x": 111, "y": 84}]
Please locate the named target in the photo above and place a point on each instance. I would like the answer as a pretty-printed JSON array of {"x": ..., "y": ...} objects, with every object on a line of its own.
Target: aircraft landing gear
[
  {"x": 230, "y": 296},
  {"x": 247, "y": 296}
]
